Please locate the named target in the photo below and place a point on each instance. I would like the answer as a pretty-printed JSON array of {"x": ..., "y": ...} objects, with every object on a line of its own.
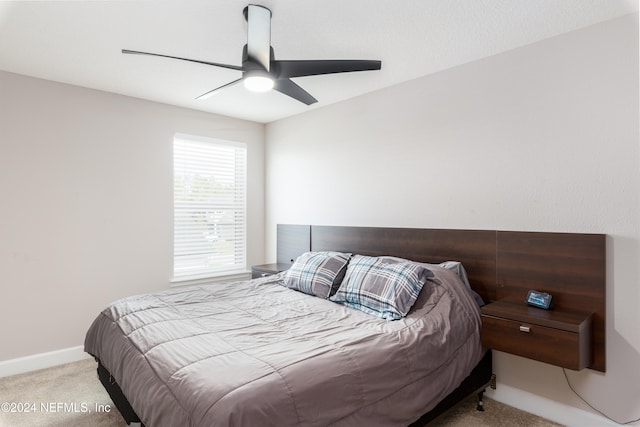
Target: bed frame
[{"x": 499, "y": 264}]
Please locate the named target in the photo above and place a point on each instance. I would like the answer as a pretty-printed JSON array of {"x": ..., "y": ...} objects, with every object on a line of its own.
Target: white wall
[
  {"x": 86, "y": 217},
  {"x": 541, "y": 138}
]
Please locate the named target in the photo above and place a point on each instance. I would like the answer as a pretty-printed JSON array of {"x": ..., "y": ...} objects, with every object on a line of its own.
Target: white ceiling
[{"x": 80, "y": 42}]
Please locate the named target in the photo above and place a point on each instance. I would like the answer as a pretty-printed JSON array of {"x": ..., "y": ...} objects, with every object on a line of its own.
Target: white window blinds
[{"x": 209, "y": 207}]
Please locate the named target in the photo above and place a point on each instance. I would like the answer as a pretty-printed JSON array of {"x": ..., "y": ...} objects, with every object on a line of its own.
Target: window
[{"x": 209, "y": 207}]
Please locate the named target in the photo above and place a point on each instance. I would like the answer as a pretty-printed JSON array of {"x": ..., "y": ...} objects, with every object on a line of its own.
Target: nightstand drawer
[
  {"x": 256, "y": 274},
  {"x": 545, "y": 344}
]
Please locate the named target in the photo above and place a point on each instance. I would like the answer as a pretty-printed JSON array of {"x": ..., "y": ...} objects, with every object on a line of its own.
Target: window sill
[{"x": 208, "y": 279}]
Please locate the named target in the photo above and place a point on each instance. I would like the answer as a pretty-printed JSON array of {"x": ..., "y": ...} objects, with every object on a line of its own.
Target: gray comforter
[{"x": 255, "y": 353}]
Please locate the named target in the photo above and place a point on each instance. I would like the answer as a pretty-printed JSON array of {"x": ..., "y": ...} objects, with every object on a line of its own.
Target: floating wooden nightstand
[
  {"x": 559, "y": 337},
  {"x": 268, "y": 269}
]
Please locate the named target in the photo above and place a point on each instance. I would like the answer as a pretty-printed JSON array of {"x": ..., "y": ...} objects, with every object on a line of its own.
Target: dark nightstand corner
[{"x": 265, "y": 270}]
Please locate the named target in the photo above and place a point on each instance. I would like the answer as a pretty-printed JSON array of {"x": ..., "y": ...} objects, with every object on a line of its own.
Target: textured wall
[
  {"x": 541, "y": 138},
  {"x": 86, "y": 179}
]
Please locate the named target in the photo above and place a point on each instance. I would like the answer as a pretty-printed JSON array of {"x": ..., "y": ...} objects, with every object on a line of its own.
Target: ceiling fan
[{"x": 262, "y": 72}]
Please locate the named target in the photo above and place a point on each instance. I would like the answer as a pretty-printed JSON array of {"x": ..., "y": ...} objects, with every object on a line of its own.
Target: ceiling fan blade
[
  {"x": 287, "y": 69},
  {"x": 259, "y": 34},
  {"x": 231, "y": 67},
  {"x": 213, "y": 91},
  {"x": 291, "y": 89}
]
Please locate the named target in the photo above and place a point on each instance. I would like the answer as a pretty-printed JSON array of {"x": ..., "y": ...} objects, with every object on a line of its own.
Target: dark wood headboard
[{"x": 501, "y": 265}]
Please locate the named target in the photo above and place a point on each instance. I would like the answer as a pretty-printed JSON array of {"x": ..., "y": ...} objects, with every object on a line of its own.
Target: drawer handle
[
  {"x": 525, "y": 329},
  {"x": 264, "y": 274}
]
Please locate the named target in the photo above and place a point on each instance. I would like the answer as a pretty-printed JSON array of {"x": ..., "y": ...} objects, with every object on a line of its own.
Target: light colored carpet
[
  {"x": 72, "y": 396},
  {"x": 69, "y": 395},
  {"x": 494, "y": 414}
]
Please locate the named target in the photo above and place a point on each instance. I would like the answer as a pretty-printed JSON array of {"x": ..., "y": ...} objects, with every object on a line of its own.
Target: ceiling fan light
[{"x": 258, "y": 83}]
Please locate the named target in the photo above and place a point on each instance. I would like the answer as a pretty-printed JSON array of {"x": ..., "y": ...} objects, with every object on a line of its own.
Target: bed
[{"x": 259, "y": 353}]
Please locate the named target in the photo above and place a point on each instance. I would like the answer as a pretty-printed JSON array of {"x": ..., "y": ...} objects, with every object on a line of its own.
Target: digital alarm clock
[{"x": 539, "y": 299}]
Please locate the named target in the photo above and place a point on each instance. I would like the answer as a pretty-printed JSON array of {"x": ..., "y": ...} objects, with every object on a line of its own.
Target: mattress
[{"x": 256, "y": 353}]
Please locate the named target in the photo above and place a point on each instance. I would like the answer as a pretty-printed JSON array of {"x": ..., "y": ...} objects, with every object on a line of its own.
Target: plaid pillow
[
  {"x": 382, "y": 286},
  {"x": 317, "y": 273}
]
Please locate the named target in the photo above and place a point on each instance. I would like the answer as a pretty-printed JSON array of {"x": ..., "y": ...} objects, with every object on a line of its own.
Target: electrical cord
[{"x": 591, "y": 406}]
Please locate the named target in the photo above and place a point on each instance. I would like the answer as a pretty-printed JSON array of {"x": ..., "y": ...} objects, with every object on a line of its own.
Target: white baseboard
[
  {"x": 42, "y": 361},
  {"x": 549, "y": 409}
]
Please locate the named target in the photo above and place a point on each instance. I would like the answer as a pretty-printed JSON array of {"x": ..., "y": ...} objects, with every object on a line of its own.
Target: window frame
[{"x": 238, "y": 209}]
